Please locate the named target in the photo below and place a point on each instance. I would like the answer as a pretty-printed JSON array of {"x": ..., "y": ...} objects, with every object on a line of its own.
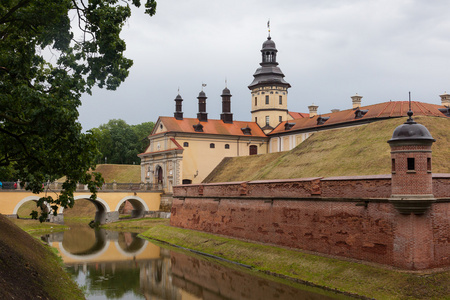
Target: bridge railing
[{"x": 119, "y": 186}]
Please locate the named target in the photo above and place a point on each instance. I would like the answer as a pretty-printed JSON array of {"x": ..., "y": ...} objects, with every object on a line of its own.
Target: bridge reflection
[
  {"x": 101, "y": 245},
  {"x": 121, "y": 265}
]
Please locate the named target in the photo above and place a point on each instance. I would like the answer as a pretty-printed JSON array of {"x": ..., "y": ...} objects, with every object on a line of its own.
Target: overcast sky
[{"x": 327, "y": 50}]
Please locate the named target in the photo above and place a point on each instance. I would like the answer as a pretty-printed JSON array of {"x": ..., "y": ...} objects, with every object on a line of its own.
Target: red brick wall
[
  {"x": 417, "y": 182},
  {"x": 441, "y": 185},
  {"x": 333, "y": 222}
]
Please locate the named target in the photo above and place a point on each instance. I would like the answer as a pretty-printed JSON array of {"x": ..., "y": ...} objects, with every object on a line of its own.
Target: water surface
[{"x": 119, "y": 265}]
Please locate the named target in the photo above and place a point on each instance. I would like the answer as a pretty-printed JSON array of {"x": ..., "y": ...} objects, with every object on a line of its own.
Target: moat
[{"x": 119, "y": 265}]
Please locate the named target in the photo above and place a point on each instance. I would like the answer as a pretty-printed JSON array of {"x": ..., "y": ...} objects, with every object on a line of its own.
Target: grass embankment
[
  {"x": 350, "y": 277},
  {"x": 29, "y": 269},
  {"x": 135, "y": 225},
  {"x": 120, "y": 173},
  {"x": 360, "y": 150}
]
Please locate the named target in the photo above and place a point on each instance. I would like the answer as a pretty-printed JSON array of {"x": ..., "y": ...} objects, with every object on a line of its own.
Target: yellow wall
[
  {"x": 196, "y": 160},
  {"x": 199, "y": 156},
  {"x": 274, "y": 109},
  {"x": 10, "y": 199}
]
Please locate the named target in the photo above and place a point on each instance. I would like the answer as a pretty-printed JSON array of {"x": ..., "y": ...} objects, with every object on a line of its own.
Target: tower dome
[
  {"x": 269, "y": 90},
  {"x": 269, "y": 73},
  {"x": 411, "y": 131},
  {"x": 269, "y": 44}
]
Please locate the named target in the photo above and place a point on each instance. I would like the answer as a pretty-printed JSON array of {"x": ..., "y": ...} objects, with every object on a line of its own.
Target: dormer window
[
  {"x": 288, "y": 126},
  {"x": 445, "y": 111},
  {"x": 247, "y": 130},
  {"x": 198, "y": 127},
  {"x": 321, "y": 120},
  {"x": 360, "y": 113}
]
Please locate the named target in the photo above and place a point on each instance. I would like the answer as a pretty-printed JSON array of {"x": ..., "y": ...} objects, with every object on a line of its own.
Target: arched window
[
  {"x": 187, "y": 181},
  {"x": 159, "y": 174},
  {"x": 185, "y": 144},
  {"x": 256, "y": 101},
  {"x": 267, "y": 99},
  {"x": 227, "y": 146},
  {"x": 280, "y": 100},
  {"x": 253, "y": 149},
  {"x": 212, "y": 145}
]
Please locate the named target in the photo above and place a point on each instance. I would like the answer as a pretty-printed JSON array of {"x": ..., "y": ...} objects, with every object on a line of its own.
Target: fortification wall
[{"x": 349, "y": 217}]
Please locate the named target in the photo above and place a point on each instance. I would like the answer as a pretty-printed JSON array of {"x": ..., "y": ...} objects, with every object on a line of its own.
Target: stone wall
[{"x": 349, "y": 216}]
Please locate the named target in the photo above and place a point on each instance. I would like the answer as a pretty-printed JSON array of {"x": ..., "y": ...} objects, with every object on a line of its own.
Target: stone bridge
[{"x": 108, "y": 202}]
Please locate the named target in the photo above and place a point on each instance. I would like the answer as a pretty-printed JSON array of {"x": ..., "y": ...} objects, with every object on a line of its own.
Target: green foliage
[
  {"x": 44, "y": 70},
  {"x": 120, "y": 143}
]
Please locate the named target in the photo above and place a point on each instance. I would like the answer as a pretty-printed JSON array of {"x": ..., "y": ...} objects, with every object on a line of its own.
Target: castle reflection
[{"x": 112, "y": 265}]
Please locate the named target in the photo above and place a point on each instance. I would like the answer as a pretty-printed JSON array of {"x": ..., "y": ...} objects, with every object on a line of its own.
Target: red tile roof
[
  {"x": 298, "y": 115},
  {"x": 211, "y": 127},
  {"x": 383, "y": 110}
]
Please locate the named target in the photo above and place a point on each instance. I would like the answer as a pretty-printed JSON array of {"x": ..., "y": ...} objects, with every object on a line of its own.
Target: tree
[
  {"x": 44, "y": 70},
  {"x": 120, "y": 143}
]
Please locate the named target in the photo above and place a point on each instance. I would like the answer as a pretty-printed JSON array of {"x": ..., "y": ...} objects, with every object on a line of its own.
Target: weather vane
[
  {"x": 203, "y": 85},
  {"x": 409, "y": 100},
  {"x": 226, "y": 82},
  {"x": 268, "y": 26}
]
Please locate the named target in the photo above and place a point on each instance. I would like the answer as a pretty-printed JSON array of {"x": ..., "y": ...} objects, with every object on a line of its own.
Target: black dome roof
[
  {"x": 226, "y": 92},
  {"x": 411, "y": 131},
  {"x": 201, "y": 94},
  {"x": 269, "y": 44}
]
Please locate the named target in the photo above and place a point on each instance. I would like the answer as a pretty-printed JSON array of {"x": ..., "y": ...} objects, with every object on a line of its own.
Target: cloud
[{"x": 328, "y": 51}]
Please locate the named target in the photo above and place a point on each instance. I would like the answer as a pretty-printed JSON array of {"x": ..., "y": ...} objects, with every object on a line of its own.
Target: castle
[{"x": 185, "y": 150}]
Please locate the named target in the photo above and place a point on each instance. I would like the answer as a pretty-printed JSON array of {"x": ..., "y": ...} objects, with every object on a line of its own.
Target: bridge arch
[
  {"x": 139, "y": 206},
  {"x": 30, "y": 198},
  {"x": 97, "y": 202},
  {"x": 103, "y": 214}
]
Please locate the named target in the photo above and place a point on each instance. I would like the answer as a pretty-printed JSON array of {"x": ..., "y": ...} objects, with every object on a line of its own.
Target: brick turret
[{"x": 412, "y": 188}]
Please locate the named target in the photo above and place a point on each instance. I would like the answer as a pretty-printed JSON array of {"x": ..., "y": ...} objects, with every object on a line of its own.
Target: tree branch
[{"x": 13, "y": 10}]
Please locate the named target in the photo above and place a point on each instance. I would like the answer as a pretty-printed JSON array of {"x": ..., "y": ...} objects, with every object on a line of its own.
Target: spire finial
[
  {"x": 268, "y": 28},
  {"x": 410, "y": 112},
  {"x": 203, "y": 85},
  {"x": 178, "y": 90},
  {"x": 226, "y": 85}
]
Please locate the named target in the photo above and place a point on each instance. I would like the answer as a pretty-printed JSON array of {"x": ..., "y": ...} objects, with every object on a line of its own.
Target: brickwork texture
[{"x": 348, "y": 217}]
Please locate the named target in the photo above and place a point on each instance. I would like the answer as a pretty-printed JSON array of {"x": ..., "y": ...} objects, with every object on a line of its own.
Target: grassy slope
[
  {"x": 120, "y": 173},
  {"x": 361, "y": 279},
  {"x": 29, "y": 269},
  {"x": 360, "y": 150}
]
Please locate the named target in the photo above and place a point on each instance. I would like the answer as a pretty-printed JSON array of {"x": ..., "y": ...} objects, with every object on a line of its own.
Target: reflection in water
[{"x": 112, "y": 265}]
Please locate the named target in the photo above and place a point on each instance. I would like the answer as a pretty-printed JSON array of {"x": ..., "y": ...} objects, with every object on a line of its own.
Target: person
[
  {"x": 1, "y": 185},
  {"x": 15, "y": 185}
]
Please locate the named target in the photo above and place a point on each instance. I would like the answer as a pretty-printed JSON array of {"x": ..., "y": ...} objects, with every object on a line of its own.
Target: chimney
[
  {"x": 335, "y": 110},
  {"x": 445, "y": 99},
  {"x": 312, "y": 110},
  {"x": 202, "y": 116},
  {"x": 356, "y": 100},
  {"x": 226, "y": 116},
  {"x": 178, "y": 114}
]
